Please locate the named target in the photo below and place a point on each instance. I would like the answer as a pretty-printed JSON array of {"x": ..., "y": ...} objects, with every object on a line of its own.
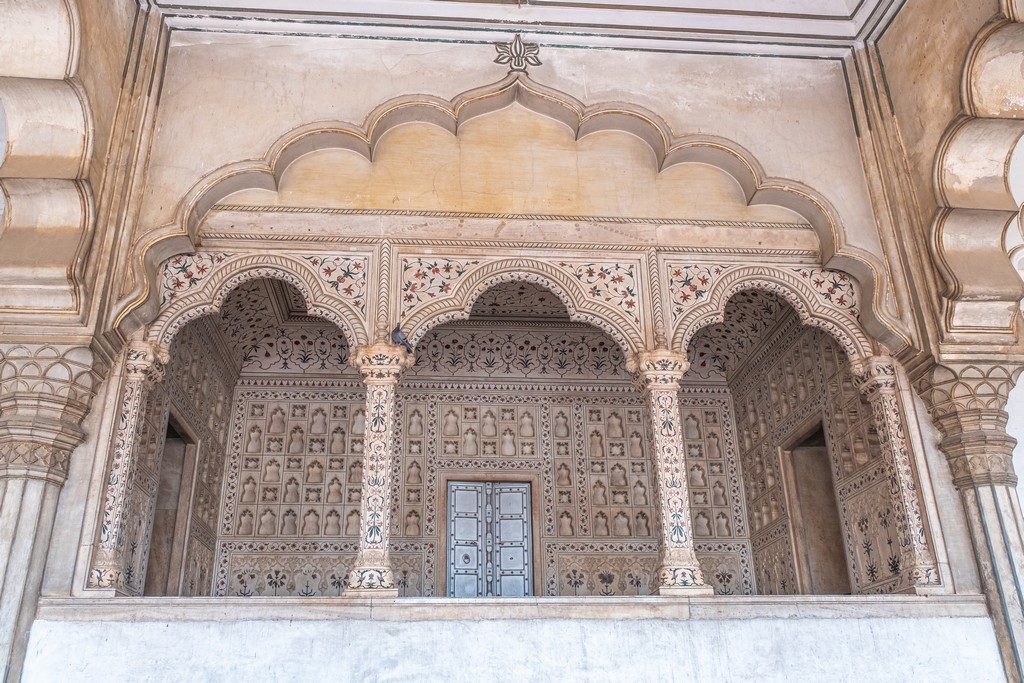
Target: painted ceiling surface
[
  {"x": 718, "y": 350},
  {"x": 265, "y": 324}
]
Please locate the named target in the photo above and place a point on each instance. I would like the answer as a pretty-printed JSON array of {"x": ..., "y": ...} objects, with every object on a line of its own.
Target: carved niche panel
[
  {"x": 798, "y": 374},
  {"x": 198, "y": 385},
  {"x": 586, "y": 442},
  {"x": 296, "y": 464}
]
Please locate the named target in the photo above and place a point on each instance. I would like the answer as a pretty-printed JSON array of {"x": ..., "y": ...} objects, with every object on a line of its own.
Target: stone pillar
[
  {"x": 878, "y": 379},
  {"x": 144, "y": 365},
  {"x": 968, "y": 403},
  {"x": 45, "y": 392},
  {"x": 381, "y": 365},
  {"x": 657, "y": 376}
]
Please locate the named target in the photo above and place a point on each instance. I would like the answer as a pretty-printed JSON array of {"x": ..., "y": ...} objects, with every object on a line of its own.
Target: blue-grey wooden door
[{"x": 489, "y": 539}]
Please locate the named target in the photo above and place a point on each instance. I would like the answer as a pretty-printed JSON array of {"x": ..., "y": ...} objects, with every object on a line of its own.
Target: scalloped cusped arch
[
  {"x": 458, "y": 304},
  {"x": 837, "y": 320},
  {"x": 756, "y": 186},
  {"x": 195, "y": 285}
]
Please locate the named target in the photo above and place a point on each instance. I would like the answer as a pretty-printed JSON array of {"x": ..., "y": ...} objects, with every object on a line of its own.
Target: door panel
[
  {"x": 465, "y": 539},
  {"x": 489, "y": 539}
]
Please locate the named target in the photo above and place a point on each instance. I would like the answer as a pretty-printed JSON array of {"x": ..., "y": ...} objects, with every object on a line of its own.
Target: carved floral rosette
[
  {"x": 381, "y": 366},
  {"x": 876, "y": 378}
]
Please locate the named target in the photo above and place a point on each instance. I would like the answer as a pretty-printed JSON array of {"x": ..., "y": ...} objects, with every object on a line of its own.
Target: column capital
[
  {"x": 967, "y": 401},
  {"x": 45, "y": 393},
  {"x": 381, "y": 363},
  {"x": 875, "y": 374},
  {"x": 146, "y": 362},
  {"x": 658, "y": 369}
]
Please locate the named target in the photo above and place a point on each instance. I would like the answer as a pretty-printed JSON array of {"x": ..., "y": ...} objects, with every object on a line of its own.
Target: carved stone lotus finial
[{"x": 518, "y": 55}]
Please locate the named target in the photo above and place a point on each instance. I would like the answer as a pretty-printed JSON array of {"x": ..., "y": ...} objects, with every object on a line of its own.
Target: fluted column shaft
[
  {"x": 45, "y": 393},
  {"x": 968, "y": 404}
]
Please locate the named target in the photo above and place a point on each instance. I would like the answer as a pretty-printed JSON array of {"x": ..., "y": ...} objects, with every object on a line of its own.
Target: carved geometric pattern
[
  {"x": 518, "y": 300},
  {"x": 265, "y": 324},
  {"x": 313, "y": 568},
  {"x": 629, "y": 568},
  {"x": 198, "y": 384},
  {"x": 525, "y": 350},
  {"x": 717, "y": 350},
  {"x": 796, "y": 374}
]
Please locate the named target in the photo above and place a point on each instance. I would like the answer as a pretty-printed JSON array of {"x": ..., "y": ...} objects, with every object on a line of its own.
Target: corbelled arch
[
  {"x": 459, "y": 304},
  {"x": 758, "y": 188},
  {"x": 789, "y": 286},
  {"x": 209, "y": 297}
]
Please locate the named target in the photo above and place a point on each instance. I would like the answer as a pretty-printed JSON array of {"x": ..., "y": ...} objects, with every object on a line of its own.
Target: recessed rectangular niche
[
  {"x": 170, "y": 517},
  {"x": 817, "y": 534}
]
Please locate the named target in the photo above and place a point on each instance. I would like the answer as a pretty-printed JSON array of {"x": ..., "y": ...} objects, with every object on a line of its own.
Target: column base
[{"x": 685, "y": 591}]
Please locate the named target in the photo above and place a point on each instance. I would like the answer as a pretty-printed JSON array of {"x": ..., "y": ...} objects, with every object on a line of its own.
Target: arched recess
[
  {"x": 789, "y": 286},
  {"x": 458, "y": 305},
  {"x": 231, "y": 271},
  {"x": 581, "y": 119}
]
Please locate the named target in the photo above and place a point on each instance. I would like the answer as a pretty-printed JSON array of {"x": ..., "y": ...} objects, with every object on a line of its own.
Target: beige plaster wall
[
  {"x": 228, "y": 98},
  {"x": 513, "y": 161},
  {"x": 923, "y": 55}
]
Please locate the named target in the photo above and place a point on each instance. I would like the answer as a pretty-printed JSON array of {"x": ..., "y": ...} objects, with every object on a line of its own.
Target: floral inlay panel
[
  {"x": 833, "y": 286},
  {"x": 690, "y": 284},
  {"x": 425, "y": 279},
  {"x": 344, "y": 275},
  {"x": 610, "y": 283},
  {"x": 182, "y": 273}
]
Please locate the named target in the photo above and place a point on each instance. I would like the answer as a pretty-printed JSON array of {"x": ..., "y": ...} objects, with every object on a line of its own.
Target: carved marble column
[
  {"x": 657, "y": 375},
  {"x": 968, "y": 404},
  {"x": 45, "y": 392},
  {"x": 144, "y": 365},
  {"x": 381, "y": 365},
  {"x": 878, "y": 379}
]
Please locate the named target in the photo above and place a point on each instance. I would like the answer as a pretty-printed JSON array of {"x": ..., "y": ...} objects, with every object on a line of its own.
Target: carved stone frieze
[
  {"x": 822, "y": 298},
  {"x": 437, "y": 289},
  {"x": 331, "y": 287}
]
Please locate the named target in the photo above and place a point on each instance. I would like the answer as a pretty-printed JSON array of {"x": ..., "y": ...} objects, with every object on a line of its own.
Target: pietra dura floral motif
[
  {"x": 611, "y": 283},
  {"x": 424, "y": 279},
  {"x": 717, "y": 350},
  {"x": 186, "y": 272}
]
